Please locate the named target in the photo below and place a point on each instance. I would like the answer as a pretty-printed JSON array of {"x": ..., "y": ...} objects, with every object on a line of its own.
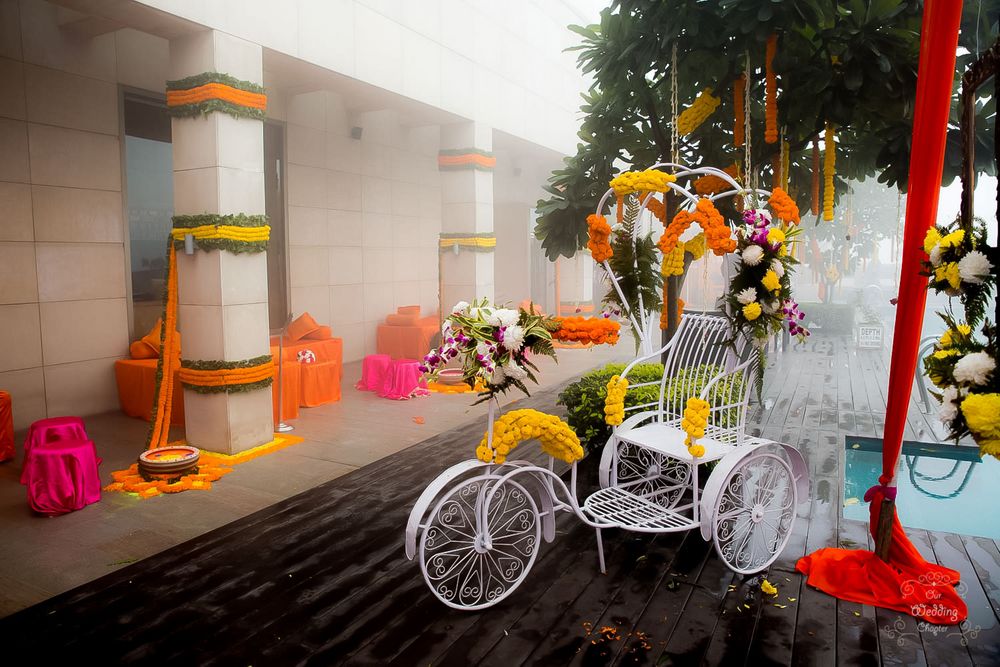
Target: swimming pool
[{"x": 942, "y": 487}]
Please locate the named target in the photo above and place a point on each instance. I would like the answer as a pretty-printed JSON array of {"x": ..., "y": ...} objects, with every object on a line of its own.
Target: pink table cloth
[
  {"x": 62, "y": 476},
  {"x": 53, "y": 429},
  {"x": 374, "y": 370},
  {"x": 404, "y": 381}
]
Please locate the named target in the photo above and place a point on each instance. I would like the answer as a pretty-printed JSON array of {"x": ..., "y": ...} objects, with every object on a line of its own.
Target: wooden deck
[{"x": 321, "y": 578}]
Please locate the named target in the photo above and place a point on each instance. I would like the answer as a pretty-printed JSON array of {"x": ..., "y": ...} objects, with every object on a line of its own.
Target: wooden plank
[
  {"x": 985, "y": 559},
  {"x": 857, "y": 632},
  {"x": 941, "y": 648}
]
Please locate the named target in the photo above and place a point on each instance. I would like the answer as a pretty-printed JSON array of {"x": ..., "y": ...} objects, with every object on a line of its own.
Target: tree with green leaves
[{"x": 851, "y": 63}]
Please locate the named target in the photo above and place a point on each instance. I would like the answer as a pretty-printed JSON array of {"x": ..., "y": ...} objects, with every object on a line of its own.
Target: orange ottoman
[
  {"x": 320, "y": 383},
  {"x": 136, "y": 379},
  {"x": 6, "y": 427}
]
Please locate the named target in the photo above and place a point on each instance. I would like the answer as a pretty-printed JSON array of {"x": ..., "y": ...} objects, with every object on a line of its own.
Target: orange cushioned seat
[
  {"x": 136, "y": 380},
  {"x": 404, "y": 337},
  {"x": 315, "y": 387}
]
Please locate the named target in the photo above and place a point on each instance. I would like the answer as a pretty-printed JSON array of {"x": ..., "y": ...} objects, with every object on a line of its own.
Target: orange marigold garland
[
  {"x": 718, "y": 236},
  {"x": 599, "y": 232},
  {"x": 784, "y": 206},
  {"x": 166, "y": 365},
  {"x": 710, "y": 185},
  {"x": 771, "y": 92},
  {"x": 815, "y": 177},
  {"x": 829, "y": 169},
  {"x": 596, "y": 330},
  {"x": 739, "y": 85}
]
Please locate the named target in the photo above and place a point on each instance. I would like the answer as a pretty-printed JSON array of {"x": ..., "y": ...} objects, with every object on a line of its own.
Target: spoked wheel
[
  {"x": 463, "y": 568},
  {"x": 651, "y": 475},
  {"x": 755, "y": 512}
]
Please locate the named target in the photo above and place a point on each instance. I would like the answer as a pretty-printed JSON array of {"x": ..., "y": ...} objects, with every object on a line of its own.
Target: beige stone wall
[
  {"x": 63, "y": 306},
  {"x": 363, "y": 217}
]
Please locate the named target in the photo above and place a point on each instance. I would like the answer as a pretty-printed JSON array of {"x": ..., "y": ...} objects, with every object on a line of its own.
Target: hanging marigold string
[
  {"x": 599, "y": 231},
  {"x": 703, "y": 106},
  {"x": 829, "y": 169},
  {"x": 771, "y": 92},
  {"x": 710, "y": 185},
  {"x": 718, "y": 236},
  {"x": 815, "y": 177},
  {"x": 738, "y": 121},
  {"x": 784, "y": 206},
  {"x": 166, "y": 365}
]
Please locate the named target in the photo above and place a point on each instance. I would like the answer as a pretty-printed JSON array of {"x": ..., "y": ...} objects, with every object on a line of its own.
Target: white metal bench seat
[
  {"x": 614, "y": 507},
  {"x": 668, "y": 438}
]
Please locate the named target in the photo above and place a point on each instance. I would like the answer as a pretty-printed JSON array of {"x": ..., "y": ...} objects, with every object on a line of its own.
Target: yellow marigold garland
[
  {"x": 702, "y": 107},
  {"x": 815, "y": 178},
  {"x": 614, "y": 403},
  {"x": 649, "y": 180},
  {"x": 695, "y": 246},
  {"x": 673, "y": 261},
  {"x": 771, "y": 92},
  {"x": 829, "y": 170},
  {"x": 694, "y": 421},
  {"x": 599, "y": 231},
  {"x": 556, "y": 437}
]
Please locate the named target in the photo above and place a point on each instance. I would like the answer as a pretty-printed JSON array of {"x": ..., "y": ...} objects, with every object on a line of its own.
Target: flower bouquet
[
  {"x": 964, "y": 369},
  {"x": 957, "y": 266},
  {"x": 493, "y": 344},
  {"x": 759, "y": 300}
]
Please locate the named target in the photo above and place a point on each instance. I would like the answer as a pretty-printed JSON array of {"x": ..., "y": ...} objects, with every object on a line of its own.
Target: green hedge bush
[{"x": 584, "y": 399}]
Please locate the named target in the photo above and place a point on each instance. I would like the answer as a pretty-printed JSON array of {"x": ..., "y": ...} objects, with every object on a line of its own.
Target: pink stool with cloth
[
  {"x": 374, "y": 370},
  {"x": 60, "y": 466},
  {"x": 404, "y": 380}
]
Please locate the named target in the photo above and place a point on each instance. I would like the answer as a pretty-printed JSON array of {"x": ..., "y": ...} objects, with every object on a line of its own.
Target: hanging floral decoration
[
  {"x": 963, "y": 365},
  {"x": 957, "y": 266},
  {"x": 237, "y": 233},
  {"x": 718, "y": 236},
  {"x": 204, "y": 93},
  {"x": 739, "y": 127},
  {"x": 596, "y": 330},
  {"x": 159, "y": 420},
  {"x": 599, "y": 233},
  {"x": 771, "y": 92},
  {"x": 556, "y": 437},
  {"x": 614, "y": 401},
  {"x": 829, "y": 170},
  {"x": 759, "y": 299},
  {"x": 815, "y": 178},
  {"x": 710, "y": 184},
  {"x": 703, "y": 106},
  {"x": 493, "y": 344},
  {"x": 694, "y": 422},
  {"x": 215, "y": 377},
  {"x": 784, "y": 207},
  {"x": 641, "y": 182}
]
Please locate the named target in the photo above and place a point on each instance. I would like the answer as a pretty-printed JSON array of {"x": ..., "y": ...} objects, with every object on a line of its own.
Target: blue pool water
[{"x": 942, "y": 487}]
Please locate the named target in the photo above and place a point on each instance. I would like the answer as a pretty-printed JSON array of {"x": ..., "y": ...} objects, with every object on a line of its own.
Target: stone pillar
[
  {"x": 222, "y": 298},
  {"x": 466, "y": 162}
]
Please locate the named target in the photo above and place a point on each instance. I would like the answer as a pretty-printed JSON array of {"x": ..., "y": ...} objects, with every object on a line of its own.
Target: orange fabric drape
[{"x": 907, "y": 582}]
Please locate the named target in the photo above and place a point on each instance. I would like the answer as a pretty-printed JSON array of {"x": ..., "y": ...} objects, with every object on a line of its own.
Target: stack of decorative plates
[{"x": 172, "y": 460}]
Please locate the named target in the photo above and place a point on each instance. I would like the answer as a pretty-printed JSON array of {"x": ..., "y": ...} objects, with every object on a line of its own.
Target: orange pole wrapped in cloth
[{"x": 905, "y": 581}]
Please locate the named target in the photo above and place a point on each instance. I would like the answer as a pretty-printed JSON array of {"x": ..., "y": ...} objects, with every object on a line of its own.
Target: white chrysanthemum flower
[
  {"x": 512, "y": 370},
  {"x": 769, "y": 307},
  {"x": 460, "y": 307},
  {"x": 778, "y": 267},
  {"x": 513, "y": 337},
  {"x": 752, "y": 255},
  {"x": 974, "y": 368},
  {"x": 936, "y": 256},
  {"x": 949, "y": 405},
  {"x": 974, "y": 267},
  {"x": 748, "y": 295},
  {"x": 503, "y": 317}
]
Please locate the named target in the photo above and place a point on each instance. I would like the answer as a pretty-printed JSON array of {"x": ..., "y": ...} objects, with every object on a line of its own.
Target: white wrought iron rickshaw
[{"x": 477, "y": 527}]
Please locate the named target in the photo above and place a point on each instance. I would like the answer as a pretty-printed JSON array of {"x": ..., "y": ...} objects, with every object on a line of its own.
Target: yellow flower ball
[
  {"x": 696, "y": 450},
  {"x": 770, "y": 281},
  {"x": 775, "y": 235},
  {"x": 931, "y": 239},
  {"x": 982, "y": 414}
]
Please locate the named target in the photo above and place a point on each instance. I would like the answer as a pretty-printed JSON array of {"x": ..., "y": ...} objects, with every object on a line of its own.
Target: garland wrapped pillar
[
  {"x": 218, "y": 105},
  {"x": 467, "y": 242}
]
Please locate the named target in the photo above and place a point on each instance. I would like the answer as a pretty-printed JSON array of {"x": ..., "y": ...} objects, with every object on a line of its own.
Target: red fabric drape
[{"x": 907, "y": 582}]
